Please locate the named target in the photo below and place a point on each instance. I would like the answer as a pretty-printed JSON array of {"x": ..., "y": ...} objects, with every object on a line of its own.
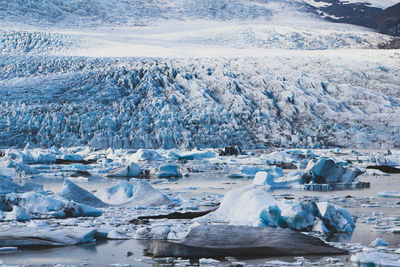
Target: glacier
[{"x": 185, "y": 103}]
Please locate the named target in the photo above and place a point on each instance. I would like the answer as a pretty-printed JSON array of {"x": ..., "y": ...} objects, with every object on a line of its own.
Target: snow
[{"x": 377, "y": 3}]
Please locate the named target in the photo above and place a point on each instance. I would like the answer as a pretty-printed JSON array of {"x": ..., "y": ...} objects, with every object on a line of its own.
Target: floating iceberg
[
  {"x": 375, "y": 259},
  {"x": 132, "y": 170},
  {"x": 17, "y": 214},
  {"x": 327, "y": 171},
  {"x": 229, "y": 240},
  {"x": 168, "y": 171},
  {"x": 274, "y": 178},
  {"x": 45, "y": 237},
  {"x": 38, "y": 205},
  {"x": 193, "y": 155},
  {"x": 253, "y": 206},
  {"x": 145, "y": 155},
  {"x": 136, "y": 193},
  {"x": 71, "y": 191},
  {"x": 394, "y": 194}
]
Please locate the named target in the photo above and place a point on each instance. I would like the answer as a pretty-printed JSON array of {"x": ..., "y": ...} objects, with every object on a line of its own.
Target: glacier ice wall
[{"x": 290, "y": 101}]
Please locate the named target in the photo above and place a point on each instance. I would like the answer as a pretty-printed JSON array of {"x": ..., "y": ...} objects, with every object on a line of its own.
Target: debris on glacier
[
  {"x": 252, "y": 205},
  {"x": 44, "y": 237},
  {"x": 230, "y": 240},
  {"x": 169, "y": 171}
]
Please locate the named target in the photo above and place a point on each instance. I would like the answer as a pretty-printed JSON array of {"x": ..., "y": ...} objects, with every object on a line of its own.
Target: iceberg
[
  {"x": 17, "y": 214},
  {"x": 145, "y": 155},
  {"x": 136, "y": 193},
  {"x": 132, "y": 170},
  {"x": 375, "y": 259},
  {"x": 253, "y": 206},
  {"x": 71, "y": 191},
  {"x": 44, "y": 237},
  {"x": 327, "y": 171},
  {"x": 230, "y": 240},
  {"x": 273, "y": 178},
  {"x": 168, "y": 171},
  {"x": 37, "y": 204}
]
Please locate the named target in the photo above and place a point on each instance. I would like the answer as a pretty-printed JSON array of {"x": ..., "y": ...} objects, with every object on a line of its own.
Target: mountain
[
  {"x": 388, "y": 20},
  {"x": 380, "y": 15}
]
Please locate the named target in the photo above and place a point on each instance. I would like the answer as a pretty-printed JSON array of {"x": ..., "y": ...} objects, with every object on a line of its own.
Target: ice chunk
[
  {"x": 117, "y": 234},
  {"x": 253, "y": 206},
  {"x": 39, "y": 204},
  {"x": 335, "y": 218},
  {"x": 193, "y": 155},
  {"x": 394, "y": 194},
  {"x": 327, "y": 171},
  {"x": 117, "y": 194},
  {"x": 267, "y": 176},
  {"x": 376, "y": 259},
  {"x": 39, "y": 237},
  {"x": 379, "y": 242},
  {"x": 242, "y": 206},
  {"x": 145, "y": 155},
  {"x": 18, "y": 214},
  {"x": 169, "y": 170},
  {"x": 274, "y": 178},
  {"x": 132, "y": 170},
  {"x": 135, "y": 193},
  {"x": 229, "y": 240},
  {"x": 77, "y": 194}
]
